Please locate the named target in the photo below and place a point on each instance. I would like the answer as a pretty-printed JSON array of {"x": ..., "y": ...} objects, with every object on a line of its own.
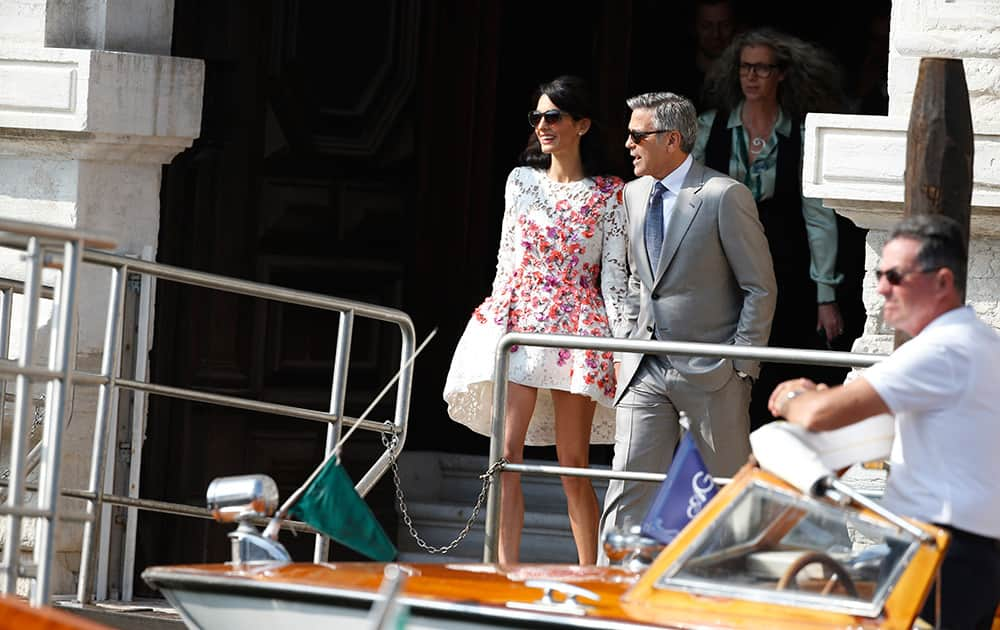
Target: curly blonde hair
[{"x": 812, "y": 83}]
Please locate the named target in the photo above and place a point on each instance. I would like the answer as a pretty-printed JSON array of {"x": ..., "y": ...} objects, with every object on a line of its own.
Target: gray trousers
[{"x": 647, "y": 432}]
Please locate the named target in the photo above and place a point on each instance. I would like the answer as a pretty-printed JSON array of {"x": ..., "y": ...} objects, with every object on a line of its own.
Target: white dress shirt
[{"x": 673, "y": 182}]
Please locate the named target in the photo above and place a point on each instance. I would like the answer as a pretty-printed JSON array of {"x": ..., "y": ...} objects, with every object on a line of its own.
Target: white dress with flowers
[{"x": 560, "y": 269}]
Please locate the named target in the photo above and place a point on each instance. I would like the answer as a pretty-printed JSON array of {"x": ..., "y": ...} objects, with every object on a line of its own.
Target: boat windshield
[{"x": 774, "y": 546}]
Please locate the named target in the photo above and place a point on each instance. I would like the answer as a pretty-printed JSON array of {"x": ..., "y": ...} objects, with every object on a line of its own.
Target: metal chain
[{"x": 487, "y": 477}]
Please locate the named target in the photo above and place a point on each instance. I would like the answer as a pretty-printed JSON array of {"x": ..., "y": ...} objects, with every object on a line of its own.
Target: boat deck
[{"x": 150, "y": 614}]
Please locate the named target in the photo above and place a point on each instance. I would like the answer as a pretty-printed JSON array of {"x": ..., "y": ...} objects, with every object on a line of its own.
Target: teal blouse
[{"x": 821, "y": 222}]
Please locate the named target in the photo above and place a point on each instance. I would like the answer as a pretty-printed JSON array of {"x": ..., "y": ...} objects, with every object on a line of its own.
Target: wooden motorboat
[{"x": 761, "y": 554}]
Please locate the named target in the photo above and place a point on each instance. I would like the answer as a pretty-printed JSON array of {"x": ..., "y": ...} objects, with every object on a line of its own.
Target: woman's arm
[
  {"x": 506, "y": 253},
  {"x": 614, "y": 270}
]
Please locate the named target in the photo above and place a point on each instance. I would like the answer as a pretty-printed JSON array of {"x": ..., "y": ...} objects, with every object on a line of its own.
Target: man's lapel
[{"x": 683, "y": 213}]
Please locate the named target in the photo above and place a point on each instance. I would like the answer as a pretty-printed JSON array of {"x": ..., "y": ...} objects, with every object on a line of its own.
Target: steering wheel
[{"x": 840, "y": 574}]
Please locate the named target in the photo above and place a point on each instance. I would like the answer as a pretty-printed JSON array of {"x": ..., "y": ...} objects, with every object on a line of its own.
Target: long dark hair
[
  {"x": 571, "y": 95},
  {"x": 812, "y": 78}
]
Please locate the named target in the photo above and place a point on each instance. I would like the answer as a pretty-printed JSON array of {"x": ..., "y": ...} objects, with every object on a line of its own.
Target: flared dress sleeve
[
  {"x": 506, "y": 255},
  {"x": 614, "y": 269}
]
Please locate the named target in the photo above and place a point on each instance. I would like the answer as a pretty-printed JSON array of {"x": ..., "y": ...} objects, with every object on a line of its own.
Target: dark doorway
[
  {"x": 360, "y": 151},
  {"x": 335, "y": 157}
]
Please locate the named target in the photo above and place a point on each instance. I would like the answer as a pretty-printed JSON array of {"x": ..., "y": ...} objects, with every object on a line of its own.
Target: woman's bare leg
[
  {"x": 520, "y": 406},
  {"x": 574, "y": 417}
]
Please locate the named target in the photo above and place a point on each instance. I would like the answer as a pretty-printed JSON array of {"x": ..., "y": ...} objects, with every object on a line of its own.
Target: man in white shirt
[{"x": 941, "y": 386}]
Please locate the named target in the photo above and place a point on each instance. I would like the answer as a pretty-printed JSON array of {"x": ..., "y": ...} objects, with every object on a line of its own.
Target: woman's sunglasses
[{"x": 551, "y": 116}]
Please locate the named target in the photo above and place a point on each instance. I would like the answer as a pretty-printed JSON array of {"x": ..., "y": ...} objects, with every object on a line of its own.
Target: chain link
[{"x": 487, "y": 477}]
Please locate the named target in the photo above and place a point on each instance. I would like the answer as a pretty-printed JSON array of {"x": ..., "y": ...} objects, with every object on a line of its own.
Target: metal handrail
[
  {"x": 347, "y": 309},
  {"x": 301, "y": 298},
  {"x": 150, "y": 505},
  {"x": 579, "y": 342},
  {"x": 110, "y": 384}
]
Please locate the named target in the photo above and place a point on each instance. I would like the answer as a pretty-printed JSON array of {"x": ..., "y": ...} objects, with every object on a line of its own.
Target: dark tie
[{"x": 654, "y": 225}]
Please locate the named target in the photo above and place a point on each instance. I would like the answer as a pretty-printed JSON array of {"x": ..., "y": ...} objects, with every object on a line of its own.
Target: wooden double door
[{"x": 357, "y": 150}]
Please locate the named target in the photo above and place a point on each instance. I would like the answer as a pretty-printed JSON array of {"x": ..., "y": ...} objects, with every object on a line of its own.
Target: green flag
[{"x": 332, "y": 505}]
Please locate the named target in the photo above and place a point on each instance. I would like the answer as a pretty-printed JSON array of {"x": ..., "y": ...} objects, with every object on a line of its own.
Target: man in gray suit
[{"x": 700, "y": 270}]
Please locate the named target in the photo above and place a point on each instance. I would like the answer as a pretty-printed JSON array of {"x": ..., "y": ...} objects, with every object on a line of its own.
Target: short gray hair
[
  {"x": 670, "y": 111},
  {"x": 942, "y": 243}
]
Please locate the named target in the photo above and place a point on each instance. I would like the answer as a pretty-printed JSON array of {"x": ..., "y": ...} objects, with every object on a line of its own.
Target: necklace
[{"x": 758, "y": 140}]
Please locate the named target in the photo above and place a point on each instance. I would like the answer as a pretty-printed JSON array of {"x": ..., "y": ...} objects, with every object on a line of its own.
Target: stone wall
[{"x": 90, "y": 111}]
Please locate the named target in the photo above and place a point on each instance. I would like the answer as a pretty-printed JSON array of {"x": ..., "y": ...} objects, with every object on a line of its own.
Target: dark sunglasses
[
  {"x": 639, "y": 136},
  {"x": 895, "y": 277},
  {"x": 762, "y": 70},
  {"x": 551, "y": 116}
]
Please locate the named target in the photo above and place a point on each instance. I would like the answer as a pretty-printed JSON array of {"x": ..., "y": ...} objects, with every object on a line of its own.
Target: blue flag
[{"x": 687, "y": 488}]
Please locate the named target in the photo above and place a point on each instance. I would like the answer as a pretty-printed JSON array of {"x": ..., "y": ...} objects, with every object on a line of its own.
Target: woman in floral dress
[{"x": 560, "y": 269}]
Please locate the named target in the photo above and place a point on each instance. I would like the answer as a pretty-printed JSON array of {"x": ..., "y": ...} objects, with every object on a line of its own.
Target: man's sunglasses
[
  {"x": 895, "y": 277},
  {"x": 551, "y": 116},
  {"x": 639, "y": 136}
]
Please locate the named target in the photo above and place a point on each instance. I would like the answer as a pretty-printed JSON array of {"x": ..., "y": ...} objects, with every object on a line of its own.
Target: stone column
[{"x": 91, "y": 107}]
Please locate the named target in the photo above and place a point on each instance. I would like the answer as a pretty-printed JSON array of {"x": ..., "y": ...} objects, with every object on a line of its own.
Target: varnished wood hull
[
  {"x": 341, "y": 595},
  {"x": 16, "y": 614}
]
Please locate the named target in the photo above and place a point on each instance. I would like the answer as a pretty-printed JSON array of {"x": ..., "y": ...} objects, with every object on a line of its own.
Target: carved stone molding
[
  {"x": 117, "y": 94},
  {"x": 856, "y": 165}
]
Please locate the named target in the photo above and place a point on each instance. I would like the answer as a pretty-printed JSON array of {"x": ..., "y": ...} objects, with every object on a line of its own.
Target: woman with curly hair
[
  {"x": 560, "y": 269},
  {"x": 761, "y": 89}
]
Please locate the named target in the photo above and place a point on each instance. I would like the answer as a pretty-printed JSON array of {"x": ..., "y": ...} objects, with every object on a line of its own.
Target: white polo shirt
[{"x": 943, "y": 387}]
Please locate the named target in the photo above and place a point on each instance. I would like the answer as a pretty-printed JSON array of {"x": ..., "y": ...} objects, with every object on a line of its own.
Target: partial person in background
[
  {"x": 868, "y": 88},
  {"x": 708, "y": 26},
  {"x": 560, "y": 269},
  {"x": 714, "y": 27},
  {"x": 714, "y": 24},
  {"x": 761, "y": 89}
]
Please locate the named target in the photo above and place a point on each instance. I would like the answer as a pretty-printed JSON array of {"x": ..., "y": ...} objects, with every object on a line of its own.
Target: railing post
[
  {"x": 57, "y": 403},
  {"x": 6, "y": 302},
  {"x": 492, "y": 530},
  {"x": 338, "y": 392},
  {"x": 15, "y": 491},
  {"x": 147, "y": 288},
  {"x": 407, "y": 350},
  {"x": 106, "y": 397}
]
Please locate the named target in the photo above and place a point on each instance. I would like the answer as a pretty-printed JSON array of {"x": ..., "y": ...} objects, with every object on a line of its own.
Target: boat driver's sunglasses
[
  {"x": 551, "y": 116},
  {"x": 895, "y": 277}
]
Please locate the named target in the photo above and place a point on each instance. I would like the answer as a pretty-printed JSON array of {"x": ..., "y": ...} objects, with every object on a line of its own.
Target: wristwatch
[{"x": 789, "y": 397}]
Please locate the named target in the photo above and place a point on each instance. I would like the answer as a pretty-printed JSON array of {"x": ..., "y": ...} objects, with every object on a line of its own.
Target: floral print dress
[{"x": 560, "y": 269}]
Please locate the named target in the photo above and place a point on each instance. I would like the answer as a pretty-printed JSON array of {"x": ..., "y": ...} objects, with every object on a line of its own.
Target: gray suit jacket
[{"x": 714, "y": 282}]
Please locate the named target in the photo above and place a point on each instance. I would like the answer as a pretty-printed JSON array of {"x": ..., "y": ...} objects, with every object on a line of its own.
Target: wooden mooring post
[{"x": 939, "y": 147}]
